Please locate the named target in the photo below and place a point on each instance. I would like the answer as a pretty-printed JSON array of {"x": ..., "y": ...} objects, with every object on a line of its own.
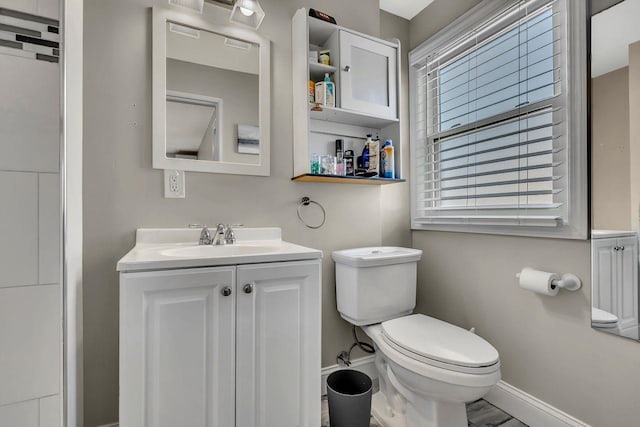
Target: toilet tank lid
[{"x": 376, "y": 256}]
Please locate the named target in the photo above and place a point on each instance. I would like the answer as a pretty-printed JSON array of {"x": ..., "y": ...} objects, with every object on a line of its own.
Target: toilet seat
[
  {"x": 441, "y": 344},
  {"x": 603, "y": 319}
]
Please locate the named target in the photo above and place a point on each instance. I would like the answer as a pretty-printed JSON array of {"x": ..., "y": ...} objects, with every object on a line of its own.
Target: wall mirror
[
  {"x": 211, "y": 101},
  {"x": 615, "y": 166}
]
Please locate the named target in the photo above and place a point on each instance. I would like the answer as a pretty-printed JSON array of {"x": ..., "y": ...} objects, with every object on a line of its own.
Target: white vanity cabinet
[
  {"x": 615, "y": 279},
  {"x": 221, "y": 346},
  {"x": 278, "y": 352}
]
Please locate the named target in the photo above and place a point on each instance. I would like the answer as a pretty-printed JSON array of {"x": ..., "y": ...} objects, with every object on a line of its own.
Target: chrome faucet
[
  {"x": 230, "y": 236},
  {"x": 224, "y": 234},
  {"x": 219, "y": 238},
  {"x": 205, "y": 234}
]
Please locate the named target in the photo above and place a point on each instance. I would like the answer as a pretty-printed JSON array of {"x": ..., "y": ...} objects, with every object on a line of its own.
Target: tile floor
[{"x": 480, "y": 414}]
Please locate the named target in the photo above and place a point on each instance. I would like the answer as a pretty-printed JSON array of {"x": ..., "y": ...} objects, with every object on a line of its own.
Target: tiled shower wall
[{"x": 30, "y": 302}]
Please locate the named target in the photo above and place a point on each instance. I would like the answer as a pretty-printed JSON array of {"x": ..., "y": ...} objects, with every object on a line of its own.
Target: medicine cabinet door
[{"x": 368, "y": 75}]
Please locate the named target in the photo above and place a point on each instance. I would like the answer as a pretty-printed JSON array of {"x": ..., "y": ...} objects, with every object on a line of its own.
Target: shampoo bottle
[{"x": 387, "y": 160}]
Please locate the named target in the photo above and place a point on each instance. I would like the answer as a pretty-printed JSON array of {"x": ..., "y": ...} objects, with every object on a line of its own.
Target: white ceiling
[
  {"x": 405, "y": 8},
  {"x": 612, "y": 31}
]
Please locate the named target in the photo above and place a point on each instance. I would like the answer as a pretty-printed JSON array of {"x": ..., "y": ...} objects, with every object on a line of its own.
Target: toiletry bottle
[
  {"x": 366, "y": 152},
  {"x": 326, "y": 91},
  {"x": 331, "y": 90},
  {"x": 387, "y": 160},
  {"x": 374, "y": 155},
  {"x": 350, "y": 167},
  {"x": 340, "y": 166},
  {"x": 312, "y": 92},
  {"x": 325, "y": 57}
]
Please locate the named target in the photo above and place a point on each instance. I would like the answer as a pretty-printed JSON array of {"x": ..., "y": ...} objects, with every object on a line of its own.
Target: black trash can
[{"x": 349, "y": 395}]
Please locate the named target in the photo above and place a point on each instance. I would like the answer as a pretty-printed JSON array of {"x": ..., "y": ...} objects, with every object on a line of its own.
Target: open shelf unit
[
  {"x": 307, "y": 177},
  {"x": 318, "y": 70},
  {"x": 315, "y": 132}
]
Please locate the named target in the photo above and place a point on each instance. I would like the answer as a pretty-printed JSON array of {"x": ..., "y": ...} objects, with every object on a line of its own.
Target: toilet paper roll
[{"x": 539, "y": 282}]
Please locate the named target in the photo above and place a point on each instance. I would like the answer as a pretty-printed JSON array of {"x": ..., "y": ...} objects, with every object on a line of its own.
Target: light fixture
[
  {"x": 195, "y": 5},
  {"x": 235, "y": 43},
  {"x": 185, "y": 31},
  {"x": 248, "y": 13}
]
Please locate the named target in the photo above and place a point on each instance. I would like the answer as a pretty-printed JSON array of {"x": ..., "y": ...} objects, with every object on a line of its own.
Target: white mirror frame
[{"x": 159, "y": 89}]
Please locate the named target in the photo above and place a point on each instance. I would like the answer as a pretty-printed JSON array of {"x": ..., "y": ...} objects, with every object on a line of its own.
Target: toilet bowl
[{"x": 428, "y": 369}]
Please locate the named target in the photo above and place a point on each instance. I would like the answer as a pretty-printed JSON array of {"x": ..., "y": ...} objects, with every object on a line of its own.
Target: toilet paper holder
[{"x": 568, "y": 281}]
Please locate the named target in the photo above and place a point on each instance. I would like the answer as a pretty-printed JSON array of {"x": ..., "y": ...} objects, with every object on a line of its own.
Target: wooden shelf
[
  {"x": 317, "y": 70},
  {"x": 307, "y": 177},
  {"x": 338, "y": 115}
]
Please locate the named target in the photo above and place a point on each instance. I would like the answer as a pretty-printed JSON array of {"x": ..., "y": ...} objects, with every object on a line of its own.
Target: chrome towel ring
[{"x": 306, "y": 201}]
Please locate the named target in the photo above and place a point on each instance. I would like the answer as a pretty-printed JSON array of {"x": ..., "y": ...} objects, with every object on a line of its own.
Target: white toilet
[
  {"x": 428, "y": 369},
  {"x": 605, "y": 321}
]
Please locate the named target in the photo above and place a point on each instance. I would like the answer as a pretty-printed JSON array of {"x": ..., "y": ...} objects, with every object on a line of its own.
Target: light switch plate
[{"x": 174, "y": 183}]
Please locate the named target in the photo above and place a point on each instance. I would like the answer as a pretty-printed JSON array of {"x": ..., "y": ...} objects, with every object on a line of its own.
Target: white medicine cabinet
[{"x": 366, "y": 73}]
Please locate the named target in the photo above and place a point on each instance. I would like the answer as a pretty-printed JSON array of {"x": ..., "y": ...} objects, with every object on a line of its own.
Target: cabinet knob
[
  {"x": 347, "y": 68},
  {"x": 248, "y": 288},
  {"x": 226, "y": 291}
]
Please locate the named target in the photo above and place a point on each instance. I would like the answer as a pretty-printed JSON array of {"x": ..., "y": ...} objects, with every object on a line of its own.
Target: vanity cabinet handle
[
  {"x": 226, "y": 291},
  {"x": 248, "y": 288},
  {"x": 347, "y": 68}
]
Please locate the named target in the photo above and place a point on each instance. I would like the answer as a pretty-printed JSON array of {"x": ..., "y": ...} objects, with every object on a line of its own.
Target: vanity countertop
[
  {"x": 607, "y": 234},
  {"x": 162, "y": 249}
]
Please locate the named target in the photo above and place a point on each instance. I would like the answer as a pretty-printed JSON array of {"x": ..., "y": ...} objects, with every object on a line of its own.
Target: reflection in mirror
[
  {"x": 615, "y": 165},
  {"x": 193, "y": 126},
  {"x": 208, "y": 74}
]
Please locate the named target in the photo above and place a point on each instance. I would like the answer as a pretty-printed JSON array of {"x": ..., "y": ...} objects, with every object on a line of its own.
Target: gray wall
[
  {"x": 122, "y": 192},
  {"x": 610, "y": 191},
  {"x": 546, "y": 345}
]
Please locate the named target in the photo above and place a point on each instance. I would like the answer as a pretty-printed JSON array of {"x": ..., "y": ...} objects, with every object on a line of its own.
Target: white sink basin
[
  {"x": 208, "y": 251},
  {"x": 159, "y": 249}
]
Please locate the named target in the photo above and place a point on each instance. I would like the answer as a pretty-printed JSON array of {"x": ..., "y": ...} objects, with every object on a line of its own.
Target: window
[{"x": 498, "y": 122}]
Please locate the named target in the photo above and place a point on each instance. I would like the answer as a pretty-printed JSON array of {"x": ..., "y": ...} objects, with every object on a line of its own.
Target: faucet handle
[{"x": 230, "y": 236}]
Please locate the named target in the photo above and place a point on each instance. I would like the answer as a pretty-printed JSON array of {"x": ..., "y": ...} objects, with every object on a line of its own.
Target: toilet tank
[{"x": 375, "y": 284}]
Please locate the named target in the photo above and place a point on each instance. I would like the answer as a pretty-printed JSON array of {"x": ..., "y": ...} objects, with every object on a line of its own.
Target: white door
[
  {"x": 368, "y": 76},
  {"x": 604, "y": 274},
  {"x": 278, "y": 345},
  {"x": 627, "y": 286},
  {"x": 177, "y": 348}
]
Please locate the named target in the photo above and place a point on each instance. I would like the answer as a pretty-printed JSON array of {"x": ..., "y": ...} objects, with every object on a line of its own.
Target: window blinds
[{"x": 489, "y": 122}]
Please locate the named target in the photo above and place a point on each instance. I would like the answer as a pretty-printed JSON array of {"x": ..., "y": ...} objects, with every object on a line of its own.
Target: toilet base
[
  {"x": 383, "y": 415},
  {"x": 433, "y": 414}
]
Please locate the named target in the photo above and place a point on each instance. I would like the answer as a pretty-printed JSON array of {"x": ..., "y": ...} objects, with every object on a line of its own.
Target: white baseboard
[
  {"x": 363, "y": 364},
  {"x": 529, "y": 409}
]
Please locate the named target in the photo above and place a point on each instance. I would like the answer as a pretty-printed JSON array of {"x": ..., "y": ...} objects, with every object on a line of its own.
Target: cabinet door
[
  {"x": 177, "y": 348},
  {"x": 368, "y": 75},
  {"x": 604, "y": 275},
  {"x": 627, "y": 286},
  {"x": 278, "y": 345}
]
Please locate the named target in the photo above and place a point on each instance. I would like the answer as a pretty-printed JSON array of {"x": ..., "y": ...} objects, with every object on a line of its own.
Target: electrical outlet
[{"x": 174, "y": 184}]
